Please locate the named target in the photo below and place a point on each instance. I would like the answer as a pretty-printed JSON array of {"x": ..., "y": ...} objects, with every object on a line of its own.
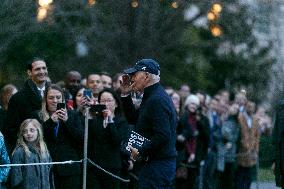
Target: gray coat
[
  {"x": 230, "y": 134},
  {"x": 30, "y": 177}
]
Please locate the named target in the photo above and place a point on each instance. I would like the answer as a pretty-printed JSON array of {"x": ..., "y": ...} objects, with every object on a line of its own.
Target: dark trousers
[
  {"x": 226, "y": 179},
  {"x": 192, "y": 179},
  {"x": 96, "y": 179},
  {"x": 209, "y": 169},
  {"x": 243, "y": 177},
  {"x": 181, "y": 183},
  {"x": 70, "y": 182},
  {"x": 157, "y": 174}
]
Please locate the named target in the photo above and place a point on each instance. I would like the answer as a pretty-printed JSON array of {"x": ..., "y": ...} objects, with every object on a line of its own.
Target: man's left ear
[
  {"x": 29, "y": 73},
  {"x": 147, "y": 75}
]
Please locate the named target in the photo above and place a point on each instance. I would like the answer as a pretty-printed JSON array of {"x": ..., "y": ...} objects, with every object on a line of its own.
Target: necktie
[{"x": 41, "y": 91}]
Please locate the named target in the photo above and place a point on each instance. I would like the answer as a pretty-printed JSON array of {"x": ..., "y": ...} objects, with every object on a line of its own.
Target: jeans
[
  {"x": 157, "y": 174},
  {"x": 209, "y": 169}
]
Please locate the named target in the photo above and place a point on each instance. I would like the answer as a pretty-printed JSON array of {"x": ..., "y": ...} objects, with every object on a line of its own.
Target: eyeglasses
[{"x": 106, "y": 100}]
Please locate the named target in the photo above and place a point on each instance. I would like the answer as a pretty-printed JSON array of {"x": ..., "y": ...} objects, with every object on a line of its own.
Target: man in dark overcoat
[
  {"x": 156, "y": 120},
  {"x": 25, "y": 103}
]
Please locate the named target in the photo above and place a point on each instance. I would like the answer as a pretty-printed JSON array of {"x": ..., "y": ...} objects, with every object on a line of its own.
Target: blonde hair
[
  {"x": 40, "y": 144},
  {"x": 43, "y": 114}
]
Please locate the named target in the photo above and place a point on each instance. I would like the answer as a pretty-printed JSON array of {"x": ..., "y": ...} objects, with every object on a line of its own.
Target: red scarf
[{"x": 191, "y": 143}]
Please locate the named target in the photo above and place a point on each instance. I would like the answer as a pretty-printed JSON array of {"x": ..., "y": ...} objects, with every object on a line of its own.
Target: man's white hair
[
  {"x": 192, "y": 99},
  {"x": 154, "y": 78}
]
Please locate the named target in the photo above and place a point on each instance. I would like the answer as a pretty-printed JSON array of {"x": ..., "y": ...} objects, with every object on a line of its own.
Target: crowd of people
[
  {"x": 217, "y": 139},
  {"x": 196, "y": 140}
]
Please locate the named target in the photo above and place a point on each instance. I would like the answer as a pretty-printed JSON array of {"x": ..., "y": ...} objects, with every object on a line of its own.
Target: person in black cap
[{"x": 156, "y": 120}]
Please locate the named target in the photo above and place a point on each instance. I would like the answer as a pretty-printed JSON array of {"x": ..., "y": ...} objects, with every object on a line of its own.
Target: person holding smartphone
[
  {"x": 83, "y": 98},
  {"x": 156, "y": 120},
  {"x": 107, "y": 130},
  {"x": 64, "y": 134}
]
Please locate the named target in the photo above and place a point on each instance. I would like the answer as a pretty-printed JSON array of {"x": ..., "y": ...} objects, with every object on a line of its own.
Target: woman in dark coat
[
  {"x": 107, "y": 131},
  {"x": 64, "y": 134},
  {"x": 195, "y": 135}
]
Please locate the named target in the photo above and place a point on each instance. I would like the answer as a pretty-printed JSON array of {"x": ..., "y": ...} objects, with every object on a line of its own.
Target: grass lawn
[{"x": 265, "y": 175}]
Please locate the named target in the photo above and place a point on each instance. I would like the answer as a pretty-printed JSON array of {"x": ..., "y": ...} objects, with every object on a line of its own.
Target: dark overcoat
[
  {"x": 65, "y": 146},
  {"x": 202, "y": 136},
  {"x": 22, "y": 105},
  {"x": 105, "y": 143},
  {"x": 278, "y": 145}
]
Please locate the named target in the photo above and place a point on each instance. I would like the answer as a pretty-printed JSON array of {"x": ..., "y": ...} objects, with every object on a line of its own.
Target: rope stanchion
[
  {"x": 107, "y": 172},
  {"x": 134, "y": 176},
  {"x": 50, "y": 163},
  {"x": 86, "y": 133}
]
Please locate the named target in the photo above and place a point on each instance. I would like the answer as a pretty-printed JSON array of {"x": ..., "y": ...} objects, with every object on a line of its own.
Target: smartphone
[
  {"x": 60, "y": 105},
  {"x": 126, "y": 79},
  {"x": 97, "y": 109},
  {"x": 87, "y": 93}
]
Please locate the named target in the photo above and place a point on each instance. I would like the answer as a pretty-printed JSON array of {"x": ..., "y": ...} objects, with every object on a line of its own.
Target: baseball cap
[{"x": 145, "y": 65}]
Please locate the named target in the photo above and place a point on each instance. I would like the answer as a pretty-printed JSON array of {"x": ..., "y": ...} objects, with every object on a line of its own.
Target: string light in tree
[
  {"x": 91, "y": 2},
  {"x": 213, "y": 16},
  {"x": 44, "y": 6},
  {"x": 41, "y": 14},
  {"x": 216, "y": 31},
  {"x": 216, "y": 8},
  {"x": 175, "y": 5},
  {"x": 134, "y": 4},
  {"x": 44, "y": 3}
]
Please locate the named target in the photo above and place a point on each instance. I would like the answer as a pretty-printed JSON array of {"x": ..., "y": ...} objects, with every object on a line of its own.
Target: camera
[
  {"x": 97, "y": 109},
  {"x": 60, "y": 105}
]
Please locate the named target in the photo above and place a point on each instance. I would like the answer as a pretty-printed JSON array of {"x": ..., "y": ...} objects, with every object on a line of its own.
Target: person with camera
[
  {"x": 64, "y": 134},
  {"x": 82, "y": 99},
  {"x": 226, "y": 149},
  {"x": 195, "y": 137},
  {"x": 107, "y": 130},
  {"x": 155, "y": 120}
]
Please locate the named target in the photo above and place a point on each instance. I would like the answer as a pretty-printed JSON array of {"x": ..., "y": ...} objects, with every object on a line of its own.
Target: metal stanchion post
[
  {"x": 257, "y": 169},
  {"x": 85, "y": 158}
]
